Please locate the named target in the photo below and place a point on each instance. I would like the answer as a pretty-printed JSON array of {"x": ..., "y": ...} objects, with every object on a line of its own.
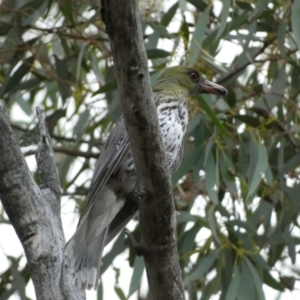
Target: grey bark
[
  {"x": 34, "y": 212},
  {"x": 157, "y": 214}
]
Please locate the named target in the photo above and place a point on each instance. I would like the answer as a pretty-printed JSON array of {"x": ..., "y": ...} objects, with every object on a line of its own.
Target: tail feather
[
  {"x": 83, "y": 251},
  {"x": 126, "y": 213},
  {"x": 83, "y": 260}
]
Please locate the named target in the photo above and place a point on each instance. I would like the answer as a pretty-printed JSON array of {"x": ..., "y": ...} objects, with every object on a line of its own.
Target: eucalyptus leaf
[{"x": 202, "y": 267}]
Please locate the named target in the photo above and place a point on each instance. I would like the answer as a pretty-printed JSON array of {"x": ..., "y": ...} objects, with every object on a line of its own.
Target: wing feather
[{"x": 111, "y": 157}]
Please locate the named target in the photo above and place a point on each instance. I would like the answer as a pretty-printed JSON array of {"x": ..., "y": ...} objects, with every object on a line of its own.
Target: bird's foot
[
  {"x": 137, "y": 196},
  {"x": 138, "y": 249}
]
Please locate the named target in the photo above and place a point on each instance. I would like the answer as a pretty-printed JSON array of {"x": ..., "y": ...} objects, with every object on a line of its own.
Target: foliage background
[{"x": 237, "y": 189}]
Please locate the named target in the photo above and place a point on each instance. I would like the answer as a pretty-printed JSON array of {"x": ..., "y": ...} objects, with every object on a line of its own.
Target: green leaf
[
  {"x": 242, "y": 224},
  {"x": 120, "y": 293},
  {"x": 34, "y": 10},
  {"x": 249, "y": 120},
  {"x": 227, "y": 170},
  {"x": 290, "y": 165},
  {"x": 30, "y": 84},
  {"x": 118, "y": 247},
  {"x": 26, "y": 107},
  {"x": 108, "y": 87},
  {"x": 169, "y": 15},
  {"x": 82, "y": 47},
  {"x": 152, "y": 41},
  {"x": 185, "y": 33},
  {"x": 185, "y": 216},
  {"x": 213, "y": 116},
  {"x": 256, "y": 279},
  {"x": 289, "y": 242},
  {"x": 138, "y": 270},
  {"x": 198, "y": 37},
  {"x": 11, "y": 43},
  {"x": 82, "y": 122},
  {"x": 63, "y": 78},
  {"x": 261, "y": 6},
  {"x": 224, "y": 16},
  {"x": 161, "y": 30},
  {"x": 189, "y": 161},
  {"x": 67, "y": 8},
  {"x": 211, "y": 178},
  {"x": 262, "y": 214},
  {"x": 273, "y": 97},
  {"x": 281, "y": 39},
  {"x": 272, "y": 282},
  {"x": 100, "y": 291},
  {"x": 186, "y": 242},
  {"x": 63, "y": 169},
  {"x": 209, "y": 146},
  {"x": 259, "y": 162},
  {"x": 203, "y": 266},
  {"x": 193, "y": 123},
  {"x": 212, "y": 223},
  {"x": 295, "y": 10},
  {"x": 235, "y": 24},
  {"x": 199, "y": 4},
  {"x": 157, "y": 53},
  {"x": 234, "y": 284},
  {"x": 15, "y": 79},
  {"x": 95, "y": 67},
  {"x": 246, "y": 288}
]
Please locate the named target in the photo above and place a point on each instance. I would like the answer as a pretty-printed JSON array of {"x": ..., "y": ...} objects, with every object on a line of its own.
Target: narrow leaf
[
  {"x": 169, "y": 15},
  {"x": 203, "y": 266},
  {"x": 213, "y": 116},
  {"x": 260, "y": 165},
  {"x": 211, "y": 178},
  {"x": 224, "y": 16},
  {"x": 234, "y": 284},
  {"x": 15, "y": 79},
  {"x": 198, "y": 37},
  {"x": 256, "y": 279},
  {"x": 296, "y": 21},
  {"x": 290, "y": 165},
  {"x": 138, "y": 269},
  {"x": 157, "y": 53},
  {"x": 120, "y": 293}
]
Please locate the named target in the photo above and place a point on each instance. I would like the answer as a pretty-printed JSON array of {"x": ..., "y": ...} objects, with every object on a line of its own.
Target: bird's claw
[
  {"x": 137, "y": 196},
  {"x": 136, "y": 246}
]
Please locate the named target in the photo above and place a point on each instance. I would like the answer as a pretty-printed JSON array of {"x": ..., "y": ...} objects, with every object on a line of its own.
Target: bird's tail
[
  {"x": 84, "y": 250},
  {"x": 83, "y": 259}
]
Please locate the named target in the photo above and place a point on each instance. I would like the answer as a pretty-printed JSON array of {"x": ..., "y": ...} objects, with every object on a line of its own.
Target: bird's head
[{"x": 190, "y": 80}]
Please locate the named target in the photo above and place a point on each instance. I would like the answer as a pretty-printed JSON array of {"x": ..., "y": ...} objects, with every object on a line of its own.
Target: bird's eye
[{"x": 194, "y": 76}]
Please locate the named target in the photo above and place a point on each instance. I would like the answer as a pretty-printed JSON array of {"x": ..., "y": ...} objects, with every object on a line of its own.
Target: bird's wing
[{"x": 112, "y": 155}]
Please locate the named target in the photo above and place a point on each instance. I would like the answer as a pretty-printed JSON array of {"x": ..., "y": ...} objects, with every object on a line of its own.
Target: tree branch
[
  {"x": 237, "y": 68},
  {"x": 69, "y": 151},
  {"x": 33, "y": 213},
  {"x": 157, "y": 213}
]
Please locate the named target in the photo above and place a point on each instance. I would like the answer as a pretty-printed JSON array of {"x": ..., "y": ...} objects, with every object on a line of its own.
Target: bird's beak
[{"x": 209, "y": 87}]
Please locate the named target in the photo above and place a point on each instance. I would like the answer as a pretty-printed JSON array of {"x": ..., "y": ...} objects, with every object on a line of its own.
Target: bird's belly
[
  {"x": 172, "y": 134},
  {"x": 173, "y": 128}
]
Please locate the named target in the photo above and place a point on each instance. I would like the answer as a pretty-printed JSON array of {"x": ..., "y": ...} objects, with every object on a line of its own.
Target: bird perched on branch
[{"x": 109, "y": 203}]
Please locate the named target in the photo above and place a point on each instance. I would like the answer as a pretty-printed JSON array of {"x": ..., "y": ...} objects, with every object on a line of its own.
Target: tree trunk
[
  {"x": 34, "y": 211},
  {"x": 157, "y": 213}
]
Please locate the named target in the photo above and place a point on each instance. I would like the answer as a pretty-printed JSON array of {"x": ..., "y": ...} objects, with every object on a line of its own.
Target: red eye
[{"x": 194, "y": 76}]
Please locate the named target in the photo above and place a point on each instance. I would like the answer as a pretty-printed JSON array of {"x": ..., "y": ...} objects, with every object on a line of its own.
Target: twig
[
  {"x": 68, "y": 151},
  {"x": 47, "y": 170},
  {"x": 236, "y": 69}
]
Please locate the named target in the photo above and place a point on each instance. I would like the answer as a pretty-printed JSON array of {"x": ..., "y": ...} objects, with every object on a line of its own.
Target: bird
[{"x": 110, "y": 205}]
